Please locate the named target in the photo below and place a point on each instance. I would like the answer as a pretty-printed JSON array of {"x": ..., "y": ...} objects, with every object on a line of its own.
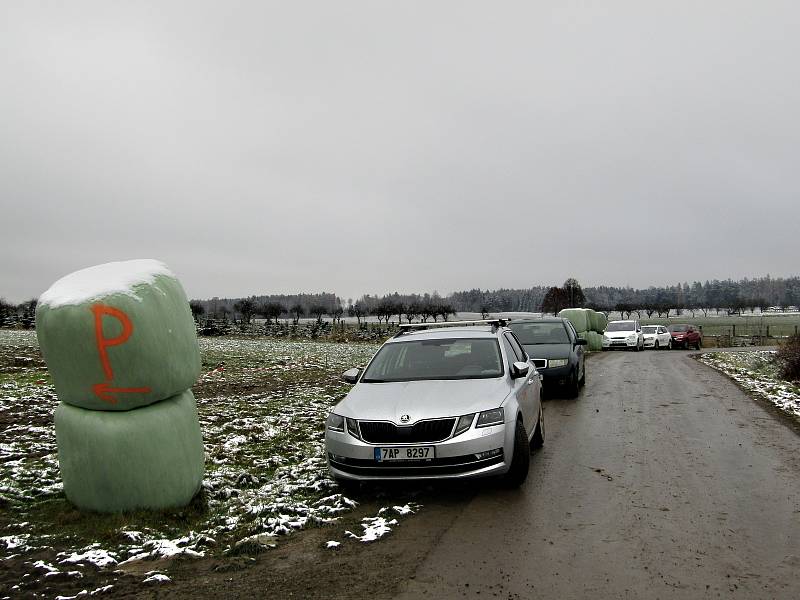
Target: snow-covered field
[
  {"x": 755, "y": 372},
  {"x": 262, "y": 405}
]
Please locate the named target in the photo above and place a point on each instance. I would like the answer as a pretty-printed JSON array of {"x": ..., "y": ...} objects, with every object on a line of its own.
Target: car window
[
  {"x": 650, "y": 329},
  {"x": 518, "y": 351},
  {"x": 510, "y": 354},
  {"x": 621, "y": 326},
  {"x": 418, "y": 360},
  {"x": 532, "y": 333}
]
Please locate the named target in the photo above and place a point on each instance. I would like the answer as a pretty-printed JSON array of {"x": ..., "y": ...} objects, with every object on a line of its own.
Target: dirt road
[{"x": 662, "y": 480}]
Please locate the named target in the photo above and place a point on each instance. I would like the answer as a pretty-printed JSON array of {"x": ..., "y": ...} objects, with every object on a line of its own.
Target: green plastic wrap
[
  {"x": 595, "y": 341},
  {"x": 579, "y": 318},
  {"x": 598, "y": 321},
  {"x": 151, "y": 457},
  {"x": 123, "y": 350}
]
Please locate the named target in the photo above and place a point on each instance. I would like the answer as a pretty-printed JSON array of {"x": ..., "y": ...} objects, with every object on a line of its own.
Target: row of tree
[{"x": 18, "y": 315}]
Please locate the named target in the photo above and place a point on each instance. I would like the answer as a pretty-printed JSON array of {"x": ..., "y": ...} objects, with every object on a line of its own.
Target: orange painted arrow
[{"x": 104, "y": 391}]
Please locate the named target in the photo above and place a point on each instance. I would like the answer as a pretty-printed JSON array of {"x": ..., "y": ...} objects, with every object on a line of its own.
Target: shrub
[{"x": 788, "y": 358}]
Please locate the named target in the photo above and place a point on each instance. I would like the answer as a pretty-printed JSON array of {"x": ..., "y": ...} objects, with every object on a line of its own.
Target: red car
[{"x": 686, "y": 336}]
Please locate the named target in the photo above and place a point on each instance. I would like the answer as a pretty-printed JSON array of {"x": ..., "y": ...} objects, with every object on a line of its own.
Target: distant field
[{"x": 779, "y": 325}]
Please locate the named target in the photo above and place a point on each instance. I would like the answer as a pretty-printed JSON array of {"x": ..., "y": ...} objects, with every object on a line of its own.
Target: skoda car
[
  {"x": 555, "y": 350},
  {"x": 439, "y": 402},
  {"x": 656, "y": 336}
]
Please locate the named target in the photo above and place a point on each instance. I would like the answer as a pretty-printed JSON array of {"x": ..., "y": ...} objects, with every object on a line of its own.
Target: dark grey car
[{"x": 556, "y": 351}]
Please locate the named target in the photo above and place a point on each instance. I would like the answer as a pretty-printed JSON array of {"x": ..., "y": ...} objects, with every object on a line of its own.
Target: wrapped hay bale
[
  {"x": 579, "y": 318},
  {"x": 599, "y": 322},
  {"x": 118, "y": 336},
  {"x": 150, "y": 457},
  {"x": 595, "y": 341}
]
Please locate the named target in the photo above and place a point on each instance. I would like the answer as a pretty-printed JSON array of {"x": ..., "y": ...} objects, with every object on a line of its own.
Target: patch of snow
[
  {"x": 332, "y": 544},
  {"x": 374, "y": 529},
  {"x": 93, "y": 555},
  {"x": 156, "y": 578},
  {"x": 96, "y": 282}
]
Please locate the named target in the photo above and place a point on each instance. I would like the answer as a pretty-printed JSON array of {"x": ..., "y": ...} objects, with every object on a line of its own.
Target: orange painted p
[{"x": 104, "y": 390}]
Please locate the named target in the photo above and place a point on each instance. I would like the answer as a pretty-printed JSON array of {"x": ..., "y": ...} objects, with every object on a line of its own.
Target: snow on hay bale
[
  {"x": 118, "y": 336},
  {"x": 579, "y": 318},
  {"x": 150, "y": 457}
]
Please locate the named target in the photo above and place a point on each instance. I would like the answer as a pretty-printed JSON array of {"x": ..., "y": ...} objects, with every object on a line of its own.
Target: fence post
[{"x": 734, "y": 331}]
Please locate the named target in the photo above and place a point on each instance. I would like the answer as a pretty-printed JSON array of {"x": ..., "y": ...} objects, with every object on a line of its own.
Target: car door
[
  {"x": 663, "y": 337},
  {"x": 525, "y": 389}
]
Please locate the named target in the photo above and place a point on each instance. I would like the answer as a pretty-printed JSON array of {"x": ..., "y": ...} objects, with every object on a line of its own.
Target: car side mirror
[
  {"x": 581, "y": 342},
  {"x": 351, "y": 375},
  {"x": 519, "y": 369}
]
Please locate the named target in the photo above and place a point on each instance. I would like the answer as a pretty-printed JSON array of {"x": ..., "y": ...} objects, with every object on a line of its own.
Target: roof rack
[{"x": 409, "y": 327}]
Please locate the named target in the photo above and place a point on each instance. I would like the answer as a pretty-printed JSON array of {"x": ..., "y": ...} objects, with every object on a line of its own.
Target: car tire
[
  {"x": 520, "y": 460},
  {"x": 574, "y": 386},
  {"x": 537, "y": 441},
  {"x": 582, "y": 380},
  {"x": 669, "y": 345},
  {"x": 656, "y": 347}
]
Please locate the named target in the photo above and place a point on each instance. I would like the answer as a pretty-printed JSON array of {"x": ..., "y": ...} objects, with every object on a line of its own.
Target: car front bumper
[
  {"x": 455, "y": 458},
  {"x": 556, "y": 375},
  {"x": 619, "y": 343}
]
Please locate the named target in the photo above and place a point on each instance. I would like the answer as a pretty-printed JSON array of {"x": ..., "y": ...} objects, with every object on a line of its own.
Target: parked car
[
  {"x": 686, "y": 336},
  {"x": 439, "y": 401},
  {"x": 623, "y": 334},
  {"x": 555, "y": 350},
  {"x": 656, "y": 336}
]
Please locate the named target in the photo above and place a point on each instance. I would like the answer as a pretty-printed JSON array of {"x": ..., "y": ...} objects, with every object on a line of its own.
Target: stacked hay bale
[
  {"x": 120, "y": 344},
  {"x": 589, "y": 324}
]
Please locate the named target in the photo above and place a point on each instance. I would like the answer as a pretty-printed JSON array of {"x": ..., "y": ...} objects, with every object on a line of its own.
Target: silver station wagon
[{"x": 449, "y": 400}]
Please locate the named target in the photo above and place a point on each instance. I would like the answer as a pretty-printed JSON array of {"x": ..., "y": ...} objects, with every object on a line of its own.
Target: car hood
[
  {"x": 650, "y": 335},
  {"x": 422, "y": 399},
  {"x": 614, "y": 335},
  {"x": 548, "y": 350}
]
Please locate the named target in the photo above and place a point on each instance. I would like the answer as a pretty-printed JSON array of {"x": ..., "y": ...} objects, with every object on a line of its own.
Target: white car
[
  {"x": 657, "y": 336},
  {"x": 439, "y": 401},
  {"x": 623, "y": 334}
]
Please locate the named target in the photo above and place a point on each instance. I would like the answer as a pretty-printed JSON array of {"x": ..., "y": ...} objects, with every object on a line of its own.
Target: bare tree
[
  {"x": 318, "y": 311},
  {"x": 198, "y": 310},
  {"x": 297, "y": 311}
]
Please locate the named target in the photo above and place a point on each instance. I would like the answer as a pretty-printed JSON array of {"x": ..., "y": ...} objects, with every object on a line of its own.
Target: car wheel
[
  {"x": 669, "y": 345},
  {"x": 573, "y": 387},
  {"x": 656, "y": 345},
  {"x": 582, "y": 380},
  {"x": 520, "y": 460},
  {"x": 538, "y": 436},
  {"x": 697, "y": 345}
]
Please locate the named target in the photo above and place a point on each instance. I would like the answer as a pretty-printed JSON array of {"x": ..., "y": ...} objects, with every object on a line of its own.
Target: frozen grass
[
  {"x": 756, "y": 372},
  {"x": 262, "y": 404}
]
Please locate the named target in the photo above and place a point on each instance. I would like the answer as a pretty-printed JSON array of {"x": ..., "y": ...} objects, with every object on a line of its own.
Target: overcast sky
[{"x": 368, "y": 147}]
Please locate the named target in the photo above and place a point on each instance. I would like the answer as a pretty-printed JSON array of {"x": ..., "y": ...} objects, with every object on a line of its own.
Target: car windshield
[
  {"x": 530, "y": 334},
  {"x": 678, "y": 328},
  {"x": 418, "y": 360},
  {"x": 620, "y": 326},
  {"x": 650, "y": 329}
]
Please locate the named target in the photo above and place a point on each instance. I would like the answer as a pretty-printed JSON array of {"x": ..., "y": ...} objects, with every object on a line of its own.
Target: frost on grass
[
  {"x": 756, "y": 372},
  {"x": 262, "y": 406}
]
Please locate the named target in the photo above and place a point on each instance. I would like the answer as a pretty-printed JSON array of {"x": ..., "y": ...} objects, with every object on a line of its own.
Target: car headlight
[
  {"x": 490, "y": 417},
  {"x": 631, "y": 337},
  {"x": 352, "y": 428},
  {"x": 335, "y": 422},
  {"x": 558, "y": 362},
  {"x": 464, "y": 423}
]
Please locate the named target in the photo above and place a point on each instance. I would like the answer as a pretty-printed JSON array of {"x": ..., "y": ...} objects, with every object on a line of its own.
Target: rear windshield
[
  {"x": 620, "y": 326},
  {"x": 530, "y": 334},
  {"x": 649, "y": 329},
  {"x": 418, "y": 360},
  {"x": 678, "y": 328}
]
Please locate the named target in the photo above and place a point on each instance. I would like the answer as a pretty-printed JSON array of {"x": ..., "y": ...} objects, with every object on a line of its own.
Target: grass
[
  {"x": 779, "y": 325},
  {"x": 262, "y": 405}
]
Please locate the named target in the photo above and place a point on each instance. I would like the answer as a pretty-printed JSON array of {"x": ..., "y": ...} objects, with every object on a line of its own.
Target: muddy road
[{"x": 662, "y": 480}]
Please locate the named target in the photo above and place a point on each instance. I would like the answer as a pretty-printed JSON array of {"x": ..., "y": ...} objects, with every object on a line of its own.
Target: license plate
[{"x": 405, "y": 453}]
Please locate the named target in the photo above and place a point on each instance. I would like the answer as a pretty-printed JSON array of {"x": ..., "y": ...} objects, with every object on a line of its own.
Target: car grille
[
  {"x": 539, "y": 363},
  {"x": 381, "y": 432},
  {"x": 435, "y": 467}
]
